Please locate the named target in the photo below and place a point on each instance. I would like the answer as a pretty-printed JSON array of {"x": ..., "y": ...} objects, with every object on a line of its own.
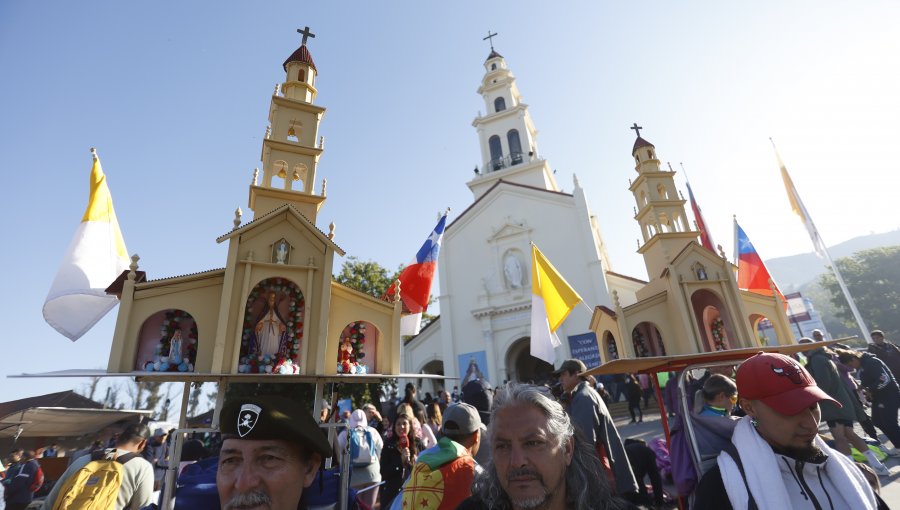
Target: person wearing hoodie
[
  {"x": 877, "y": 378},
  {"x": 365, "y": 446}
]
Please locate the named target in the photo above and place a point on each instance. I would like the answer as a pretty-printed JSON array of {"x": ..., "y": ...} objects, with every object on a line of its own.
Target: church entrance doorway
[
  {"x": 716, "y": 328},
  {"x": 432, "y": 386},
  {"x": 521, "y": 366}
]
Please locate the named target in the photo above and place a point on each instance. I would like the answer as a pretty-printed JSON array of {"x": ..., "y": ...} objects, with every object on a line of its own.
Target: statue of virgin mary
[{"x": 271, "y": 329}]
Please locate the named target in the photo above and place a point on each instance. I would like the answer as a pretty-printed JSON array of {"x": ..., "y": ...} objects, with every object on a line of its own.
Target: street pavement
[{"x": 651, "y": 428}]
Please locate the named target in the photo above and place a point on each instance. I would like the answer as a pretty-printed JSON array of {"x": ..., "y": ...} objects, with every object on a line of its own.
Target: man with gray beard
[
  {"x": 538, "y": 460},
  {"x": 271, "y": 450}
]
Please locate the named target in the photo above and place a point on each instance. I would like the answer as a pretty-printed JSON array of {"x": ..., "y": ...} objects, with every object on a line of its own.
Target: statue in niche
[
  {"x": 512, "y": 268},
  {"x": 701, "y": 273},
  {"x": 281, "y": 252},
  {"x": 270, "y": 329},
  {"x": 176, "y": 355}
]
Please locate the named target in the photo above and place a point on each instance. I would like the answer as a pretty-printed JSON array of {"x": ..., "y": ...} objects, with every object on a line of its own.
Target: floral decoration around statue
[
  {"x": 273, "y": 328},
  {"x": 176, "y": 351},
  {"x": 719, "y": 336},
  {"x": 353, "y": 347}
]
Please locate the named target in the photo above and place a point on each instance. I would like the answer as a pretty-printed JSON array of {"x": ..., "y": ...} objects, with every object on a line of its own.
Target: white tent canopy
[{"x": 62, "y": 421}]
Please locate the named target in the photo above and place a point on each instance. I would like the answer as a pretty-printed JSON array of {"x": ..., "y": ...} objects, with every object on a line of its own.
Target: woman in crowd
[
  {"x": 434, "y": 418},
  {"x": 398, "y": 456},
  {"x": 365, "y": 447}
]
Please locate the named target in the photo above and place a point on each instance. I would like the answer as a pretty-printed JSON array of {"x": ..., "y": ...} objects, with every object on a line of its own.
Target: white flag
[{"x": 95, "y": 258}]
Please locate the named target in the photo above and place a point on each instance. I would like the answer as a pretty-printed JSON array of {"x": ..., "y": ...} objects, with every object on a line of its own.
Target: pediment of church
[
  {"x": 696, "y": 263},
  {"x": 509, "y": 229}
]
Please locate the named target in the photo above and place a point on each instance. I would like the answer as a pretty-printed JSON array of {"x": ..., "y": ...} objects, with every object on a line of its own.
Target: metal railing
[{"x": 509, "y": 160}]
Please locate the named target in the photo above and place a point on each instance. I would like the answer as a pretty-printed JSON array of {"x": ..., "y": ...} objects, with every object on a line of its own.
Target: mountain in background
[{"x": 793, "y": 272}]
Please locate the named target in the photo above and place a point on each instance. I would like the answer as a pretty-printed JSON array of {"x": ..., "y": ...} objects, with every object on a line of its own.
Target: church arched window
[
  {"x": 496, "y": 152},
  {"x": 493, "y": 67},
  {"x": 499, "y": 104},
  {"x": 661, "y": 190},
  {"x": 515, "y": 146},
  {"x": 301, "y": 75}
]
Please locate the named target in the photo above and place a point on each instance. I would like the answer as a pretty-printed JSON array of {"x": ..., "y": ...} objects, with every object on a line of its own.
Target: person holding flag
[
  {"x": 95, "y": 258},
  {"x": 416, "y": 278}
]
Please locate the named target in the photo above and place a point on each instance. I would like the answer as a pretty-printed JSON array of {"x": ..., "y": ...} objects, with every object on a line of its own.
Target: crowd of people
[{"x": 525, "y": 446}]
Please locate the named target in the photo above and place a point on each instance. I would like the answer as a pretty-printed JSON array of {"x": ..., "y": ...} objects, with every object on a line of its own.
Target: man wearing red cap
[{"x": 782, "y": 461}]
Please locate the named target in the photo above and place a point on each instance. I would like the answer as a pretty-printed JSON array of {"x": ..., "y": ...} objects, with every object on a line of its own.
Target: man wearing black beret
[{"x": 271, "y": 451}]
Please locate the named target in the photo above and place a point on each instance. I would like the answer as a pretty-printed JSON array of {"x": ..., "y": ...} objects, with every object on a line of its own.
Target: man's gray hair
[{"x": 587, "y": 485}]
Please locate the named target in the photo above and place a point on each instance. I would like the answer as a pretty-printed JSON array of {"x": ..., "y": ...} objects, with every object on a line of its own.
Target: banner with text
[{"x": 584, "y": 347}]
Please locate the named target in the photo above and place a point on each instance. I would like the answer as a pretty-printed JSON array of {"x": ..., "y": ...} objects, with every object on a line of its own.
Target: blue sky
[{"x": 174, "y": 96}]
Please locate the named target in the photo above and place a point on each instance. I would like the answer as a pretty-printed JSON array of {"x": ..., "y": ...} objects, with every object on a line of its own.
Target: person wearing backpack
[
  {"x": 115, "y": 478},
  {"x": 365, "y": 445}
]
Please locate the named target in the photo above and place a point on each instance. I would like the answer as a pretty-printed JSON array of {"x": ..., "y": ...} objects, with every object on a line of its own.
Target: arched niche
[
  {"x": 609, "y": 341},
  {"x": 763, "y": 330},
  {"x": 716, "y": 327},
  {"x": 273, "y": 328},
  {"x": 167, "y": 342},
  {"x": 647, "y": 340},
  {"x": 357, "y": 348},
  {"x": 521, "y": 366}
]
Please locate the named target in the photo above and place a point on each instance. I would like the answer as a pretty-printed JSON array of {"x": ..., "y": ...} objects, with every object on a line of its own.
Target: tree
[
  {"x": 366, "y": 276},
  {"x": 873, "y": 279}
]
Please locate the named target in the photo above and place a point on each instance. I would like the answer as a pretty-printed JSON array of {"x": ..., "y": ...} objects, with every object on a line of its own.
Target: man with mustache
[
  {"x": 271, "y": 451},
  {"x": 538, "y": 461}
]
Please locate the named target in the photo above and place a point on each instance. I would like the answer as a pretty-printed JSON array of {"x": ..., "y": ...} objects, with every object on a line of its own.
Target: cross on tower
[
  {"x": 637, "y": 129},
  {"x": 306, "y": 35},
  {"x": 490, "y": 39}
]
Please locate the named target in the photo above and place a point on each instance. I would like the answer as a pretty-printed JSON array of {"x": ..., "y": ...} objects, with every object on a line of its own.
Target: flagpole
[{"x": 822, "y": 247}]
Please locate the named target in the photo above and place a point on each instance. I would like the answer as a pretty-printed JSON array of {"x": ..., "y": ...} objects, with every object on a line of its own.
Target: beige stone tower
[
  {"x": 660, "y": 210},
  {"x": 292, "y": 147}
]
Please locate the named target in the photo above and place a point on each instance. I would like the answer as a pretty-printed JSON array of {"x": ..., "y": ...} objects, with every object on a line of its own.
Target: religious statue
[
  {"x": 345, "y": 354},
  {"x": 176, "y": 355},
  {"x": 513, "y": 271},
  {"x": 270, "y": 329},
  {"x": 281, "y": 252}
]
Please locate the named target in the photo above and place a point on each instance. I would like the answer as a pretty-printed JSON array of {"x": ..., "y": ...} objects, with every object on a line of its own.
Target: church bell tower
[
  {"x": 506, "y": 133},
  {"x": 292, "y": 147},
  {"x": 660, "y": 209}
]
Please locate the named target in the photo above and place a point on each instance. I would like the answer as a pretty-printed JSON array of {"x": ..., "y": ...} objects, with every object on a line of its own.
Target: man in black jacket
[{"x": 877, "y": 378}]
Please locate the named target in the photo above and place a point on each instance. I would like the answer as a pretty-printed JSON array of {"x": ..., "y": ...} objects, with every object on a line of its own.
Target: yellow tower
[
  {"x": 292, "y": 147},
  {"x": 660, "y": 210}
]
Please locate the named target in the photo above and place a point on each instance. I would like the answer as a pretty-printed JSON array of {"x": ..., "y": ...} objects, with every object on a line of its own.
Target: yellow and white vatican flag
[
  {"x": 95, "y": 257},
  {"x": 800, "y": 210},
  {"x": 552, "y": 299}
]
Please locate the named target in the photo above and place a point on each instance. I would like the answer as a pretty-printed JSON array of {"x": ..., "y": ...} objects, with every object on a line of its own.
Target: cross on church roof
[
  {"x": 490, "y": 38},
  {"x": 637, "y": 129},
  {"x": 306, "y": 35}
]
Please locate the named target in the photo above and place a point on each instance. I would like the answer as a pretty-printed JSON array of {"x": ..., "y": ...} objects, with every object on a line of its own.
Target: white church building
[{"x": 484, "y": 264}]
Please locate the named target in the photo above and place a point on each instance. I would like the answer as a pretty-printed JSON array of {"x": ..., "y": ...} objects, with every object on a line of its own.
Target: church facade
[
  {"x": 274, "y": 307},
  {"x": 484, "y": 264}
]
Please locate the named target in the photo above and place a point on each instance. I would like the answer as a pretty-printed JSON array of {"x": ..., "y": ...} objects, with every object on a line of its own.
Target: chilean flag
[
  {"x": 752, "y": 273},
  {"x": 705, "y": 237},
  {"x": 416, "y": 278}
]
